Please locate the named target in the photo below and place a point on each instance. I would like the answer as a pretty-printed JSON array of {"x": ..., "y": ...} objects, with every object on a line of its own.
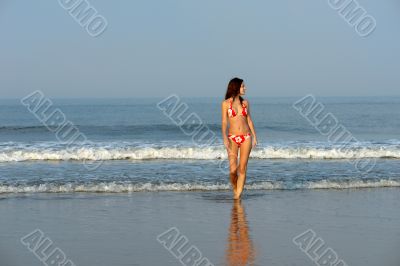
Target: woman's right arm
[{"x": 224, "y": 113}]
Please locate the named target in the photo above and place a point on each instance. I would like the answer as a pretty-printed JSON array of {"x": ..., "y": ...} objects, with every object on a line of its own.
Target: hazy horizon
[{"x": 192, "y": 49}]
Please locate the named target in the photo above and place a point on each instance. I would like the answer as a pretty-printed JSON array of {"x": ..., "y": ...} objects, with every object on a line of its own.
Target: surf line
[
  {"x": 190, "y": 124},
  {"x": 55, "y": 121},
  {"x": 328, "y": 125}
]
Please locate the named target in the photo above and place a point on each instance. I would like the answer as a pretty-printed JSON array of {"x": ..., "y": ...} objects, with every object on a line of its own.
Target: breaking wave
[
  {"x": 126, "y": 187},
  {"x": 112, "y": 151}
]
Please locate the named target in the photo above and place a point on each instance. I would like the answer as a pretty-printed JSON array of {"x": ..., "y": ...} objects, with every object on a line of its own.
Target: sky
[{"x": 193, "y": 48}]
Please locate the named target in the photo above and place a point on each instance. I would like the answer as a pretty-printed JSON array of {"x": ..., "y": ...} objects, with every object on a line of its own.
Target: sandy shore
[{"x": 358, "y": 227}]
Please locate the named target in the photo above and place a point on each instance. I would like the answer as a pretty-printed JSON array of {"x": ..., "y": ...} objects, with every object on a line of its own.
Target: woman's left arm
[{"x": 251, "y": 125}]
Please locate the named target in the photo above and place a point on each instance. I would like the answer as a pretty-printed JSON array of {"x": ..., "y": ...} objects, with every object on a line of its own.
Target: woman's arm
[
  {"x": 251, "y": 125},
  {"x": 224, "y": 124}
]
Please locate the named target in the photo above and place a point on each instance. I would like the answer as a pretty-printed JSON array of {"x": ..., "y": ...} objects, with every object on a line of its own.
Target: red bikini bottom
[{"x": 239, "y": 139}]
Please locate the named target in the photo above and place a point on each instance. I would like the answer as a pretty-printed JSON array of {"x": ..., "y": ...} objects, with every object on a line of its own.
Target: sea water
[{"x": 136, "y": 146}]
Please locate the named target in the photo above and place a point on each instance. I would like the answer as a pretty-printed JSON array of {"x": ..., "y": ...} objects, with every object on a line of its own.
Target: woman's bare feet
[{"x": 236, "y": 195}]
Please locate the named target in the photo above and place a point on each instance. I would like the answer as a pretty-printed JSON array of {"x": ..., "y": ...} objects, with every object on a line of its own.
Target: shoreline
[
  {"x": 122, "y": 228},
  {"x": 255, "y": 187}
]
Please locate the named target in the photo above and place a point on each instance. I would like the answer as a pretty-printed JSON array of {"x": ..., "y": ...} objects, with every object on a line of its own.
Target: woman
[{"x": 236, "y": 110}]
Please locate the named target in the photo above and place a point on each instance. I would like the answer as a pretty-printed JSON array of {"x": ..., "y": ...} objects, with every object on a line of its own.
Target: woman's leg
[
  {"x": 245, "y": 149},
  {"x": 233, "y": 156}
]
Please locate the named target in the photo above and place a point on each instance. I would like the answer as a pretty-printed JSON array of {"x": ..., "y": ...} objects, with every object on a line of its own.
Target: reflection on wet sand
[{"x": 240, "y": 248}]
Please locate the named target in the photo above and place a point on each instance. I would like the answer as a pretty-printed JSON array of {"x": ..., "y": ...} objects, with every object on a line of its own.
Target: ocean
[{"x": 134, "y": 146}]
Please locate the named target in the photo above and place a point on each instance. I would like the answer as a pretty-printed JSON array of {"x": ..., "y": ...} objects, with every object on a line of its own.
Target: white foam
[
  {"x": 113, "y": 187},
  {"x": 107, "y": 152}
]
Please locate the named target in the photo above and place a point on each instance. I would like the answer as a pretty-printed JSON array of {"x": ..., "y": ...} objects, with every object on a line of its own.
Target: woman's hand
[
  {"x": 226, "y": 143},
  {"x": 254, "y": 141}
]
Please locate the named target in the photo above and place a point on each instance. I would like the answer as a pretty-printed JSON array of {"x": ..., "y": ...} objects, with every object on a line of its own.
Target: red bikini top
[{"x": 232, "y": 113}]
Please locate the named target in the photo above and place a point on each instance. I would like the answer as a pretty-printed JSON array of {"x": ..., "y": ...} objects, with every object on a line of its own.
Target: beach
[
  {"x": 143, "y": 191},
  {"x": 120, "y": 124},
  {"x": 360, "y": 225}
]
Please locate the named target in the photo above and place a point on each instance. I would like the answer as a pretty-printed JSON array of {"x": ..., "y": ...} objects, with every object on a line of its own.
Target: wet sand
[{"x": 362, "y": 227}]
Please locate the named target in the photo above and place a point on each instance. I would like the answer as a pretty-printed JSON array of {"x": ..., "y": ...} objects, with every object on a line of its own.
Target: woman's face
[{"x": 243, "y": 89}]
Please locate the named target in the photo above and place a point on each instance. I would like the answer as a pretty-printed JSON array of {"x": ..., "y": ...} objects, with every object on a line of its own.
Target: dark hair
[{"x": 234, "y": 89}]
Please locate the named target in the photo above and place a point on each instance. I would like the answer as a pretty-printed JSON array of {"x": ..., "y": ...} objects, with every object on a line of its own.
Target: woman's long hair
[{"x": 234, "y": 89}]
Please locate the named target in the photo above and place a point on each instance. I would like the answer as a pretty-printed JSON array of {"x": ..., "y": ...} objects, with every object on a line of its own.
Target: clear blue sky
[{"x": 193, "y": 48}]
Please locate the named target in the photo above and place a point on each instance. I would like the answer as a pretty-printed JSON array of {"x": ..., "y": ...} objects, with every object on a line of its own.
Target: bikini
[{"x": 238, "y": 139}]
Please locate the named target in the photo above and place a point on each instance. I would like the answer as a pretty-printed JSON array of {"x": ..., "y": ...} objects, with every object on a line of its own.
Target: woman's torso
[{"x": 237, "y": 114}]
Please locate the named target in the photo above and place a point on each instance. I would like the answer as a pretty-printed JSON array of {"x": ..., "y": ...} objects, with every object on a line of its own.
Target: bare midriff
[{"x": 238, "y": 125}]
